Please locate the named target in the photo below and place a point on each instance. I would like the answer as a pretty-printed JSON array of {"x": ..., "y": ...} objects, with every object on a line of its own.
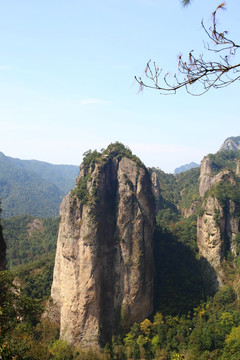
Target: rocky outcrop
[
  {"x": 210, "y": 238},
  {"x": 218, "y": 223},
  {"x": 231, "y": 143},
  {"x": 208, "y": 175},
  {"x": 2, "y": 251},
  {"x": 156, "y": 190},
  {"x": 217, "y": 230},
  {"x": 35, "y": 225},
  {"x": 103, "y": 274},
  {"x": 186, "y": 212},
  {"x": 238, "y": 168}
]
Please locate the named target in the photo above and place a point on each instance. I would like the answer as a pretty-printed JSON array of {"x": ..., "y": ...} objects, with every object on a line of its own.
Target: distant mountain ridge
[
  {"x": 63, "y": 176},
  {"x": 33, "y": 187},
  {"x": 231, "y": 143},
  {"x": 37, "y": 188},
  {"x": 186, "y": 167}
]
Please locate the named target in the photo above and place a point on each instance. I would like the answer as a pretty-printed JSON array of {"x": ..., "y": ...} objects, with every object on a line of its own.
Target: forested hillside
[
  {"x": 63, "y": 176},
  {"x": 178, "y": 196},
  {"x": 33, "y": 187},
  {"x": 31, "y": 245},
  {"x": 28, "y": 238},
  {"x": 188, "y": 322}
]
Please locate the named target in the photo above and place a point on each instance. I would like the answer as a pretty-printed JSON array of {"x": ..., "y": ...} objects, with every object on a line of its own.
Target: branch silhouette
[{"x": 215, "y": 74}]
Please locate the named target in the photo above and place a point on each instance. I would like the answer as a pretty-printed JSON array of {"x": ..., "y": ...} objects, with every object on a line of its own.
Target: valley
[{"x": 146, "y": 264}]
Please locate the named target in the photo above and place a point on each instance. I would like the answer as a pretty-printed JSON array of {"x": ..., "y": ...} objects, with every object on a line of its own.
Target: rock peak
[
  {"x": 231, "y": 143},
  {"x": 103, "y": 274}
]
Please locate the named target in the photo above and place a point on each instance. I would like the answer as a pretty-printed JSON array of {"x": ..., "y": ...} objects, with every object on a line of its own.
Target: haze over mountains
[{"x": 186, "y": 167}]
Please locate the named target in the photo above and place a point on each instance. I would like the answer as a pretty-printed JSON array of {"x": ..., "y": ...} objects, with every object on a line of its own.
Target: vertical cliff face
[
  {"x": 103, "y": 274},
  {"x": 211, "y": 242},
  {"x": 2, "y": 251},
  {"x": 156, "y": 190},
  {"x": 218, "y": 223},
  {"x": 209, "y": 175}
]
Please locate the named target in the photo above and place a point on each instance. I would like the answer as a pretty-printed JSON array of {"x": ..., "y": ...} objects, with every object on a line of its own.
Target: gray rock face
[
  {"x": 156, "y": 190},
  {"x": 2, "y": 251},
  {"x": 207, "y": 177},
  {"x": 218, "y": 225},
  {"x": 210, "y": 239},
  {"x": 231, "y": 143},
  {"x": 103, "y": 274}
]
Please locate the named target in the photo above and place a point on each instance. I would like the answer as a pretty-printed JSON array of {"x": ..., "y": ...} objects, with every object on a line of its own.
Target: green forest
[
  {"x": 33, "y": 187},
  {"x": 189, "y": 321}
]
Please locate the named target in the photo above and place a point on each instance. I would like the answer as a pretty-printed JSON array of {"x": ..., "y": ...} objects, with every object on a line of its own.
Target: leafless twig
[{"x": 208, "y": 74}]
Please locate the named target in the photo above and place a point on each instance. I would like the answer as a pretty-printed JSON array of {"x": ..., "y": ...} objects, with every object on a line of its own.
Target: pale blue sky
[{"x": 67, "y": 80}]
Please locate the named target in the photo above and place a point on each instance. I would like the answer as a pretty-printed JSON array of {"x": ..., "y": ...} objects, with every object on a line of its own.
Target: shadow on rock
[{"x": 180, "y": 282}]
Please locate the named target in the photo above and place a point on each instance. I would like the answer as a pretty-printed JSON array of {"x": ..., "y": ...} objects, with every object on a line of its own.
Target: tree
[
  {"x": 186, "y": 2},
  {"x": 209, "y": 74}
]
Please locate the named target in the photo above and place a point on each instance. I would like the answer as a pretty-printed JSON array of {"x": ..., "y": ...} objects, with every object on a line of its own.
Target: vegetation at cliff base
[
  {"x": 178, "y": 282},
  {"x": 29, "y": 238},
  {"x": 203, "y": 334},
  {"x": 209, "y": 331},
  {"x": 36, "y": 277},
  {"x": 31, "y": 244},
  {"x": 188, "y": 321}
]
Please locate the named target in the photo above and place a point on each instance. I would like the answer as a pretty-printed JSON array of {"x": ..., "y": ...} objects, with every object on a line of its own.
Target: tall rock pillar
[{"x": 103, "y": 274}]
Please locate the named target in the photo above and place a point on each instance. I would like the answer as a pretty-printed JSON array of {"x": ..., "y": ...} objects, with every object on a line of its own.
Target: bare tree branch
[
  {"x": 196, "y": 70},
  {"x": 186, "y": 2}
]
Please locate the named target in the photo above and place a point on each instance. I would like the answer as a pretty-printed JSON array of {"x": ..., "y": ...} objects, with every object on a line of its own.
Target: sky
[{"x": 67, "y": 80}]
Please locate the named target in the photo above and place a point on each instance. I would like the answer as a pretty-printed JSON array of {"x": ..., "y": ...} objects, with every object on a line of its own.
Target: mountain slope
[
  {"x": 185, "y": 167},
  {"x": 32, "y": 187},
  {"x": 231, "y": 143},
  {"x": 63, "y": 176}
]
